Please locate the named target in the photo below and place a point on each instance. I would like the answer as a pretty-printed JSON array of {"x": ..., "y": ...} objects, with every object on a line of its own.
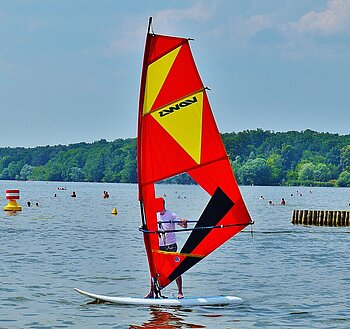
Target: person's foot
[
  {"x": 180, "y": 296},
  {"x": 149, "y": 295}
]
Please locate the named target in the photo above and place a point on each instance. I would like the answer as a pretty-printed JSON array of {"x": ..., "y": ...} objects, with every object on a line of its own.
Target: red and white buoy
[{"x": 12, "y": 196}]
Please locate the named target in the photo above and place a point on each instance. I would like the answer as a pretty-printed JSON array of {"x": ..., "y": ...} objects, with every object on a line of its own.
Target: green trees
[
  {"x": 275, "y": 162},
  {"x": 325, "y": 172},
  {"x": 345, "y": 158},
  {"x": 257, "y": 157},
  {"x": 344, "y": 179},
  {"x": 306, "y": 172},
  {"x": 255, "y": 172},
  {"x": 76, "y": 174},
  {"x": 25, "y": 173},
  {"x": 292, "y": 158}
]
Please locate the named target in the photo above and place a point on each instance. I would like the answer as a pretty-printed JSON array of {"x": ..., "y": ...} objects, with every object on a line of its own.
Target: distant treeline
[{"x": 258, "y": 157}]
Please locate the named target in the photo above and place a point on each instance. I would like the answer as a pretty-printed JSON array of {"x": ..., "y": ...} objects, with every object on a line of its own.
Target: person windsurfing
[{"x": 167, "y": 221}]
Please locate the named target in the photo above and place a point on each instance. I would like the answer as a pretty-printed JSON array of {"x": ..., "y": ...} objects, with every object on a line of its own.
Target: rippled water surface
[{"x": 289, "y": 276}]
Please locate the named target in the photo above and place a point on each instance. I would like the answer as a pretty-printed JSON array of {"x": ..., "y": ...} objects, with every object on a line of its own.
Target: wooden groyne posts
[{"x": 321, "y": 217}]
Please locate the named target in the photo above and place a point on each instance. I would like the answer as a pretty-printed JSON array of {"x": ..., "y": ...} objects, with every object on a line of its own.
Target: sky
[{"x": 70, "y": 70}]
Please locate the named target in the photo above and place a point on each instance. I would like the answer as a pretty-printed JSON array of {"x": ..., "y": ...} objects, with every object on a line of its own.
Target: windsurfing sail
[{"x": 175, "y": 118}]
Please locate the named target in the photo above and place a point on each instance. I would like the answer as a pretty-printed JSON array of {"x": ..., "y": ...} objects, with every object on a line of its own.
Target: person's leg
[
  {"x": 179, "y": 287},
  {"x": 151, "y": 292}
]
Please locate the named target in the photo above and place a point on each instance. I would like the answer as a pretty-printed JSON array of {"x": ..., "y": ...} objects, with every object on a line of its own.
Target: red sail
[{"x": 175, "y": 117}]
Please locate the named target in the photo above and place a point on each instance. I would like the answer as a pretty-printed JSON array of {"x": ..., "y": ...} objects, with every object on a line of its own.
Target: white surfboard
[{"x": 216, "y": 300}]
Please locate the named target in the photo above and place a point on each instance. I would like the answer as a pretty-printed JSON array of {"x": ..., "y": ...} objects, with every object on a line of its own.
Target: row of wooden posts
[{"x": 321, "y": 217}]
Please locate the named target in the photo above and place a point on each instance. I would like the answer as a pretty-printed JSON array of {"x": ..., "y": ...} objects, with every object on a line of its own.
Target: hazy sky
[{"x": 70, "y": 69}]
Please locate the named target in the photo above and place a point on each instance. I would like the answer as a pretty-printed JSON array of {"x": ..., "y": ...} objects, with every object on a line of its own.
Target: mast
[
  {"x": 139, "y": 151},
  {"x": 150, "y": 26}
]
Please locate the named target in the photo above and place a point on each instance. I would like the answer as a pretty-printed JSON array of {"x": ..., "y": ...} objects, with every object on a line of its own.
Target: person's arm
[{"x": 182, "y": 222}]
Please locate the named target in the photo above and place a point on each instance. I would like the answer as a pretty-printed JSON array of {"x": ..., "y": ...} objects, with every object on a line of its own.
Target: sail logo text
[{"x": 177, "y": 107}]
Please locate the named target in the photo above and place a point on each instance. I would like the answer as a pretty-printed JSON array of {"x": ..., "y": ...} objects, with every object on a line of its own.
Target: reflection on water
[
  {"x": 12, "y": 213},
  {"x": 166, "y": 318}
]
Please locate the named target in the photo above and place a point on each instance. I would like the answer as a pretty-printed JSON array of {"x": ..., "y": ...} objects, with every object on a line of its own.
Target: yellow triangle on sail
[
  {"x": 183, "y": 121},
  {"x": 156, "y": 75}
]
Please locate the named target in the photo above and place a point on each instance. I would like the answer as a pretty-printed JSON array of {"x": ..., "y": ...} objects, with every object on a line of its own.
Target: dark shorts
[{"x": 169, "y": 247}]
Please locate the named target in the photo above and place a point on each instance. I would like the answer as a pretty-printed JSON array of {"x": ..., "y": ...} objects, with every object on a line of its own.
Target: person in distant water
[
  {"x": 105, "y": 195},
  {"x": 271, "y": 203},
  {"x": 167, "y": 220},
  {"x": 37, "y": 204},
  {"x": 73, "y": 195},
  {"x": 261, "y": 197},
  {"x": 28, "y": 203},
  {"x": 283, "y": 202}
]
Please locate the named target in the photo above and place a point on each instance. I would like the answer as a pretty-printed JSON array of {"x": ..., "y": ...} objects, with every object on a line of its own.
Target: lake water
[{"x": 289, "y": 276}]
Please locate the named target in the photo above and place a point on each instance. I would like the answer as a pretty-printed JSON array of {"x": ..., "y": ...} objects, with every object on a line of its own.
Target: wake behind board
[{"x": 209, "y": 301}]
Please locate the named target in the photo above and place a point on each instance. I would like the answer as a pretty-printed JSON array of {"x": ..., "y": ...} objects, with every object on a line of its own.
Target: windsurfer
[{"x": 167, "y": 241}]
